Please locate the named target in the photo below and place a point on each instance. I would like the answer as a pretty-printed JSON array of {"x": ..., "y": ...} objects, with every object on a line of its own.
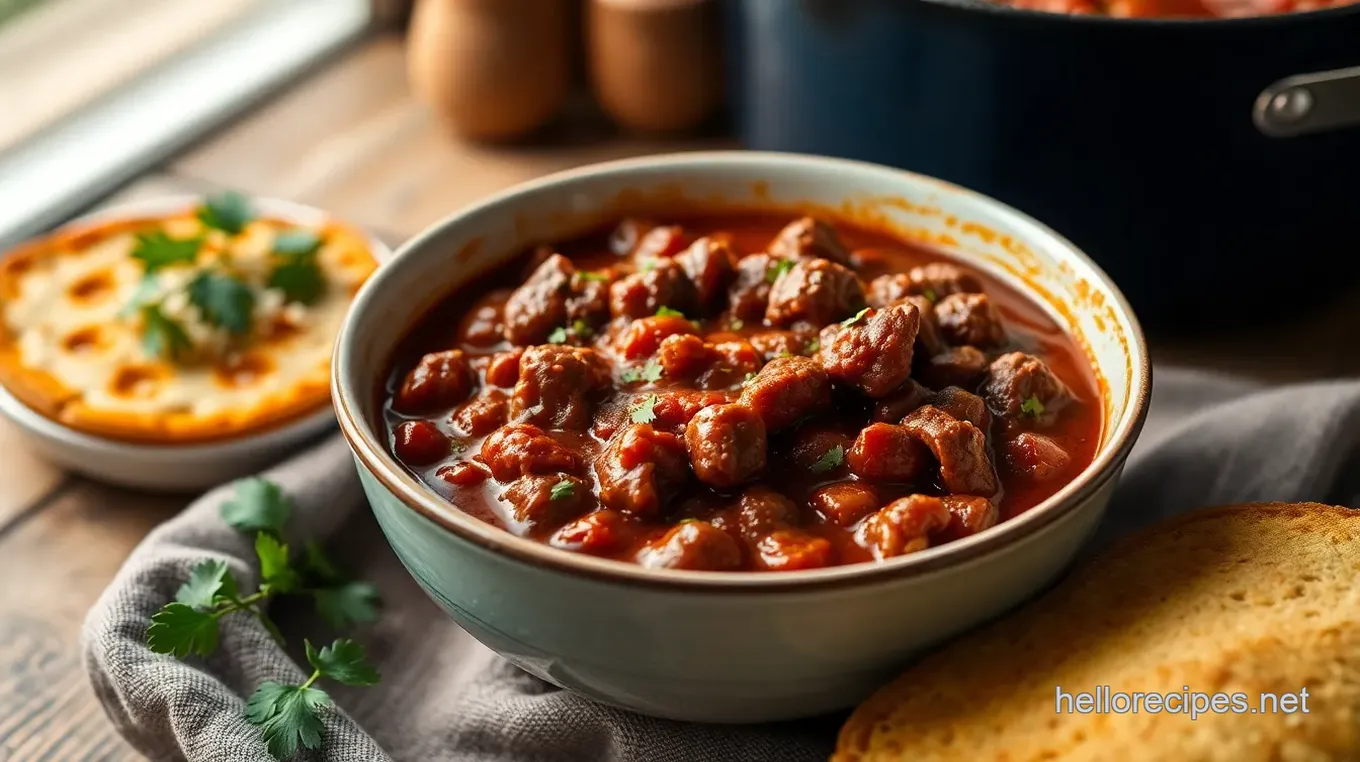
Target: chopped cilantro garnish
[
  {"x": 562, "y": 490},
  {"x": 856, "y": 318},
  {"x": 813, "y": 346},
  {"x": 156, "y": 250},
  {"x": 163, "y": 336},
  {"x": 748, "y": 378},
  {"x": 668, "y": 312},
  {"x": 930, "y": 295},
  {"x": 225, "y": 301},
  {"x": 736, "y": 325},
  {"x": 645, "y": 412},
  {"x": 558, "y": 336},
  {"x": 588, "y": 275},
  {"x": 651, "y": 373},
  {"x": 581, "y": 329},
  {"x": 229, "y": 212},
  {"x": 777, "y": 269},
  {"x": 829, "y": 460},
  {"x": 1032, "y": 406}
]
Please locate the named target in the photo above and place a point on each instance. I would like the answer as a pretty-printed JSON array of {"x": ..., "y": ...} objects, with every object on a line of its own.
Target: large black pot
[{"x": 1144, "y": 141}]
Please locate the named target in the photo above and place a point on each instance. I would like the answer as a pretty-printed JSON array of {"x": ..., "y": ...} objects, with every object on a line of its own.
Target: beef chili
[{"x": 741, "y": 392}]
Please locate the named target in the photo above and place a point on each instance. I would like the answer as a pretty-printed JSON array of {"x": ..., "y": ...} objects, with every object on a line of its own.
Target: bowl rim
[
  {"x": 372, "y": 456},
  {"x": 305, "y": 424}
]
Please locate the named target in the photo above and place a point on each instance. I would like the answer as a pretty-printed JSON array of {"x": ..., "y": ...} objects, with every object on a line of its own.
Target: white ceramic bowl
[
  {"x": 714, "y": 646},
  {"x": 174, "y": 467}
]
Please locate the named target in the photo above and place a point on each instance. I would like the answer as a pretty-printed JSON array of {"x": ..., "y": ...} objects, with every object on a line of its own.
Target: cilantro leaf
[
  {"x": 562, "y": 490},
  {"x": 856, "y": 318},
  {"x": 288, "y": 716},
  {"x": 228, "y": 212},
  {"x": 645, "y": 412},
  {"x": 748, "y": 378},
  {"x": 651, "y": 373},
  {"x": 812, "y": 347},
  {"x": 930, "y": 295},
  {"x": 318, "y": 565},
  {"x": 736, "y": 325},
  {"x": 298, "y": 242},
  {"x": 180, "y": 629},
  {"x": 300, "y": 280},
  {"x": 225, "y": 301},
  {"x": 342, "y": 661},
  {"x": 558, "y": 336},
  {"x": 1032, "y": 406},
  {"x": 668, "y": 312},
  {"x": 588, "y": 276},
  {"x": 146, "y": 289},
  {"x": 777, "y": 269},
  {"x": 208, "y": 581},
  {"x": 348, "y": 603},
  {"x": 581, "y": 329},
  {"x": 163, "y": 336},
  {"x": 156, "y": 250},
  {"x": 274, "y": 569},
  {"x": 829, "y": 460},
  {"x": 258, "y": 506}
]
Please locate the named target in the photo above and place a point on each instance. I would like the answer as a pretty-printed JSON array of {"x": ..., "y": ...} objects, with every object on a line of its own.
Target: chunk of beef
[
  {"x": 906, "y": 398},
  {"x": 597, "y": 533},
  {"x": 658, "y": 243},
  {"x": 885, "y": 452},
  {"x": 540, "y": 305},
  {"x": 737, "y": 358},
  {"x": 710, "y": 264},
  {"x": 464, "y": 473},
  {"x": 546, "y": 499},
  {"x": 929, "y": 342},
  {"x": 482, "y": 414},
  {"x": 873, "y": 354},
  {"x": 968, "y": 515},
  {"x": 958, "y": 446},
  {"x": 726, "y": 445},
  {"x": 809, "y": 238},
  {"x": 955, "y": 366},
  {"x": 484, "y": 324},
  {"x": 1036, "y": 455},
  {"x": 588, "y": 301},
  {"x": 420, "y": 443},
  {"x": 845, "y": 503},
  {"x": 439, "y": 380},
  {"x": 643, "y": 337},
  {"x": 749, "y": 295},
  {"x": 787, "y": 390},
  {"x": 963, "y": 405},
  {"x": 970, "y": 319},
  {"x": 642, "y": 293},
  {"x": 790, "y": 549},
  {"x": 523, "y": 449},
  {"x": 814, "y": 290},
  {"x": 555, "y": 386},
  {"x": 937, "y": 280},
  {"x": 503, "y": 368},
  {"x": 772, "y": 344},
  {"x": 902, "y": 526},
  {"x": 641, "y": 470},
  {"x": 761, "y": 510},
  {"x": 1022, "y": 386},
  {"x": 886, "y": 289},
  {"x": 695, "y": 545},
  {"x": 812, "y": 443},
  {"x": 684, "y": 356}
]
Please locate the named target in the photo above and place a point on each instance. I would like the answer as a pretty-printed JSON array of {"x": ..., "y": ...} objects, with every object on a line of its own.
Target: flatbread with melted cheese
[{"x": 72, "y": 349}]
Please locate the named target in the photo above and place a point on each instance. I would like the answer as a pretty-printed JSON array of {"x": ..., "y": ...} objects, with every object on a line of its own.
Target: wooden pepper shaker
[
  {"x": 491, "y": 69},
  {"x": 655, "y": 65}
]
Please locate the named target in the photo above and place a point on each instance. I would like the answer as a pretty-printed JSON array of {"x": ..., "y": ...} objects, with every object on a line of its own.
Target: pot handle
[{"x": 1308, "y": 103}]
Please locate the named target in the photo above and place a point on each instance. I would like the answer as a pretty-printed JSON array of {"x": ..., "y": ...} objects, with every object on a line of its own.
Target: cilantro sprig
[
  {"x": 162, "y": 335},
  {"x": 858, "y": 316},
  {"x": 229, "y": 212},
  {"x": 579, "y": 329},
  {"x": 1032, "y": 406},
  {"x": 224, "y": 300},
  {"x": 289, "y": 716},
  {"x": 645, "y": 412},
  {"x": 295, "y": 270},
  {"x": 156, "y": 250},
  {"x": 777, "y": 269},
  {"x": 649, "y": 373},
  {"x": 829, "y": 460},
  {"x": 562, "y": 490}
]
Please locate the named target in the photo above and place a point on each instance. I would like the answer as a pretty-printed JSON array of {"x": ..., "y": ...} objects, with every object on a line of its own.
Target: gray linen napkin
[{"x": 443, "y": 697}]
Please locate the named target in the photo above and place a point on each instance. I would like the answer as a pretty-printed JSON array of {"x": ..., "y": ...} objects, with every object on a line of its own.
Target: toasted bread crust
[
  {"x": 48, "y": 395},
  {"x": 1251, "y": 598}
]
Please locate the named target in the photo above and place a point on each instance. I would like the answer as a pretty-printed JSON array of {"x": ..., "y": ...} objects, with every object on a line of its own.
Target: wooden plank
[
  {"x": 64, "y": 556},
  {"x": 353, "y": 140}
]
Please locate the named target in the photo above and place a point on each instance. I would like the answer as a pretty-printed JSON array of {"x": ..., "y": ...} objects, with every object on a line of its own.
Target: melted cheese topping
[{"x": 71, "y": 321}]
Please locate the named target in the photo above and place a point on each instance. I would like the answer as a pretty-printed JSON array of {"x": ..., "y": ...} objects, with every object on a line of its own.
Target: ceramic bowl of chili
[{"x": 731, "y": 436}]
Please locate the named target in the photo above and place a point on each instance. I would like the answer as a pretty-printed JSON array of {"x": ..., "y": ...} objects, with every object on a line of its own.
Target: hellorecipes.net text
[{"x": 1105, "y": 700}]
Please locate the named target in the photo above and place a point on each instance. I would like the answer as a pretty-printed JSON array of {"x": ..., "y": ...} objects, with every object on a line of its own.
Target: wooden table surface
[{"x": 351, "y": 139}]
